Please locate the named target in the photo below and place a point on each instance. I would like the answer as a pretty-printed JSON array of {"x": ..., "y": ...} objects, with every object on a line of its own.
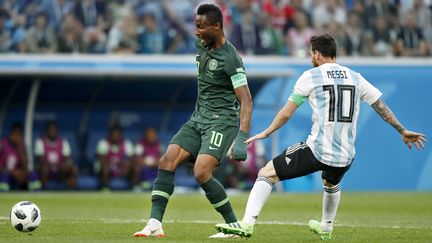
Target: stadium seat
[
  {"x": 119, "y": 184},
  {"x": 184, "y": 177},
  {"x": 87, "y": 182},
  {"x": 55, "y": 186}
]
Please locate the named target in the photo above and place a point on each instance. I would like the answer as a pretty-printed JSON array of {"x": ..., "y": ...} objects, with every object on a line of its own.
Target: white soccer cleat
[
  {"x": 221, "y": 235},
  {"x": 151, "y": 230}
]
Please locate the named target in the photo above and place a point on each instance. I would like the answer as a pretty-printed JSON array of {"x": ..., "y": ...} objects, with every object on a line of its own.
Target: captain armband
[
  {"x": 297, "y": 99},
  {"x": 238, "y": 79}
]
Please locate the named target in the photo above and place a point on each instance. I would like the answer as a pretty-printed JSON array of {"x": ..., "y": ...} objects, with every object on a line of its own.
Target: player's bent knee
[
  {"x": 269, "y": 172},
  {"x": 262, "y": 173},
  {"x": 174, "y": 156},
  {"x": 328, "y": 184},
  {"x": 166, "y": 164},
  {"x": 201, "y": 175},
  {"x": 269, "y": 177}
]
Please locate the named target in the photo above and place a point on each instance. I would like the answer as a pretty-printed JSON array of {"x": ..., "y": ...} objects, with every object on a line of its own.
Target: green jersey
[{"x": 220, "y": 71}]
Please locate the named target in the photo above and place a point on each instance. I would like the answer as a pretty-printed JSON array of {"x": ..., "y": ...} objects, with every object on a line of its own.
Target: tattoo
[{"x": 387, "y": 115}]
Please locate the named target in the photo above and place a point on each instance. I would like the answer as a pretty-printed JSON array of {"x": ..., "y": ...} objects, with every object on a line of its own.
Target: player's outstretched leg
[
  {"x": 152, "y": 229},
  {"x": 257, "y": 198}
]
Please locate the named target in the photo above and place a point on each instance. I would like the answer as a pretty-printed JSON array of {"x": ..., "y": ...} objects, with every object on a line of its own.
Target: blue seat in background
[
  {"x": 55, "y": 186},
  {"x": 119, "y": 184},
  {"x": 88, "y": 182},
  {"x": 132, "y": 135},
  {"x": 185, "y": 180},
  {"x": 184, "y": 177}
]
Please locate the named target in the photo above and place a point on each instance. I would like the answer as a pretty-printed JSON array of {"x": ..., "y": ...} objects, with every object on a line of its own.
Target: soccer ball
[{"x": 25, "y": 216}]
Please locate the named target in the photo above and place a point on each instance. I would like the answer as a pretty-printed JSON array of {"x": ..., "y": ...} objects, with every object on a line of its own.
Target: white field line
[
  {"x": 170, "y": 221},
  {"x": 117, "y": 221}
]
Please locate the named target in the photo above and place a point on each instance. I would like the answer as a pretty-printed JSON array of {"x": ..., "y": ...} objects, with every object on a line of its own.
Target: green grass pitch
[{"x": 114, "y": 217}]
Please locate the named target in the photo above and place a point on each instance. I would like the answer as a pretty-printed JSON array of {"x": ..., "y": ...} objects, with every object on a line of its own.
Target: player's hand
[
  {"x": 415, "y": 138},
  {"x": 239, "y": 151},
  {"x": 256, "y": 137}
]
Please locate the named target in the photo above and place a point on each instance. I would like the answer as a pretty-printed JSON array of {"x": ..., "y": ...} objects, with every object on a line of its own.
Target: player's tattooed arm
[{"x": 387, "y": 115}]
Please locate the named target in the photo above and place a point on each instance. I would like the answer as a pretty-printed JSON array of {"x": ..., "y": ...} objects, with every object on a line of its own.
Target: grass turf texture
[{"x": 114, "y": 217}]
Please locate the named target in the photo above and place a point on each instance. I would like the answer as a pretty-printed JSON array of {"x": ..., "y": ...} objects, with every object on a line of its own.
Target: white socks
[
  {"x": 262, "y": 190},
  {"x": 257, "y": 198},
  {"x": 331, "y": 200}
]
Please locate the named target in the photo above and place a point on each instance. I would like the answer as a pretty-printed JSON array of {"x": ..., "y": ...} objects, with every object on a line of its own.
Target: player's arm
[
  {"x": 298, "y": 96},
  {"x": 245, "y": 99},
  {"x": 239, "y": 151},
  {"x": 280, "y": 119},
  {"x": 388, "y": 116}
]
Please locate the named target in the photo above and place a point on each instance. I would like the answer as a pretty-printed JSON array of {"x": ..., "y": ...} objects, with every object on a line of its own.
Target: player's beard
[{"x": 208, "y": 41}]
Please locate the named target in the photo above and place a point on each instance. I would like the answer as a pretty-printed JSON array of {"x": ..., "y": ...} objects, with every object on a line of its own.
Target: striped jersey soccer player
[
  {"x": 334, "y": 93},
  {"x": 222, "y": 115}
]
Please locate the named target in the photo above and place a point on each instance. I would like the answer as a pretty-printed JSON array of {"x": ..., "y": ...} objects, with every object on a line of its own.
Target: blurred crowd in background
[{"x": 259, "y": 27}]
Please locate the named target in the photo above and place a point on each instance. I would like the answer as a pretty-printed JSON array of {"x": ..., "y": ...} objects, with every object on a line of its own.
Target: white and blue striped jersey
[{"x": 334, "y": 93}]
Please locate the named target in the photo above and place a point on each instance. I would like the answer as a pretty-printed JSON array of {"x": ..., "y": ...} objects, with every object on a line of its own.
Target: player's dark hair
[
  {"x": 325, "y": 44},
  {"x": 213, "y": 13}
]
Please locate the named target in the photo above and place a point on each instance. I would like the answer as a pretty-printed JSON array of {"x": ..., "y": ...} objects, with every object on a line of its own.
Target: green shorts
[{"x": 201, "y": 138}]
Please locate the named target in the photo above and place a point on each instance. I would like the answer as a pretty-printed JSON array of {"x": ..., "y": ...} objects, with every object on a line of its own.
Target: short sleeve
[
  {"x": 128, "y": 148},
  {"x": 102, "y": 147},
  {"x": 39, "y": 147},
  {"x": 234, "y": 65},
  {"x": 66, "y": 148},
  {"x": 302, "y": 85},
  {"x": 235, "y": 70},
  {"x": 368, "y": 93},
  {"x": 301, "y": 89}
]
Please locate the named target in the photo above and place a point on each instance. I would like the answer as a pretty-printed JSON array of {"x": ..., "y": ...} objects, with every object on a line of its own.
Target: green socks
[
  {"x": 163, "y": 187},
  {"x": 217, "y": 196}
]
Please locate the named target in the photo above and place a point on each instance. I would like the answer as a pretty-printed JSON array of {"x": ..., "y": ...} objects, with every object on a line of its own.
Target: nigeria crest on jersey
[{"x": 213, "y": 64}]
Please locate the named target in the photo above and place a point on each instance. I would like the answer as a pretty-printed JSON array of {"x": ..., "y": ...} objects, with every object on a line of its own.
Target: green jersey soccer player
[{"x": 222, "y": 116}]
